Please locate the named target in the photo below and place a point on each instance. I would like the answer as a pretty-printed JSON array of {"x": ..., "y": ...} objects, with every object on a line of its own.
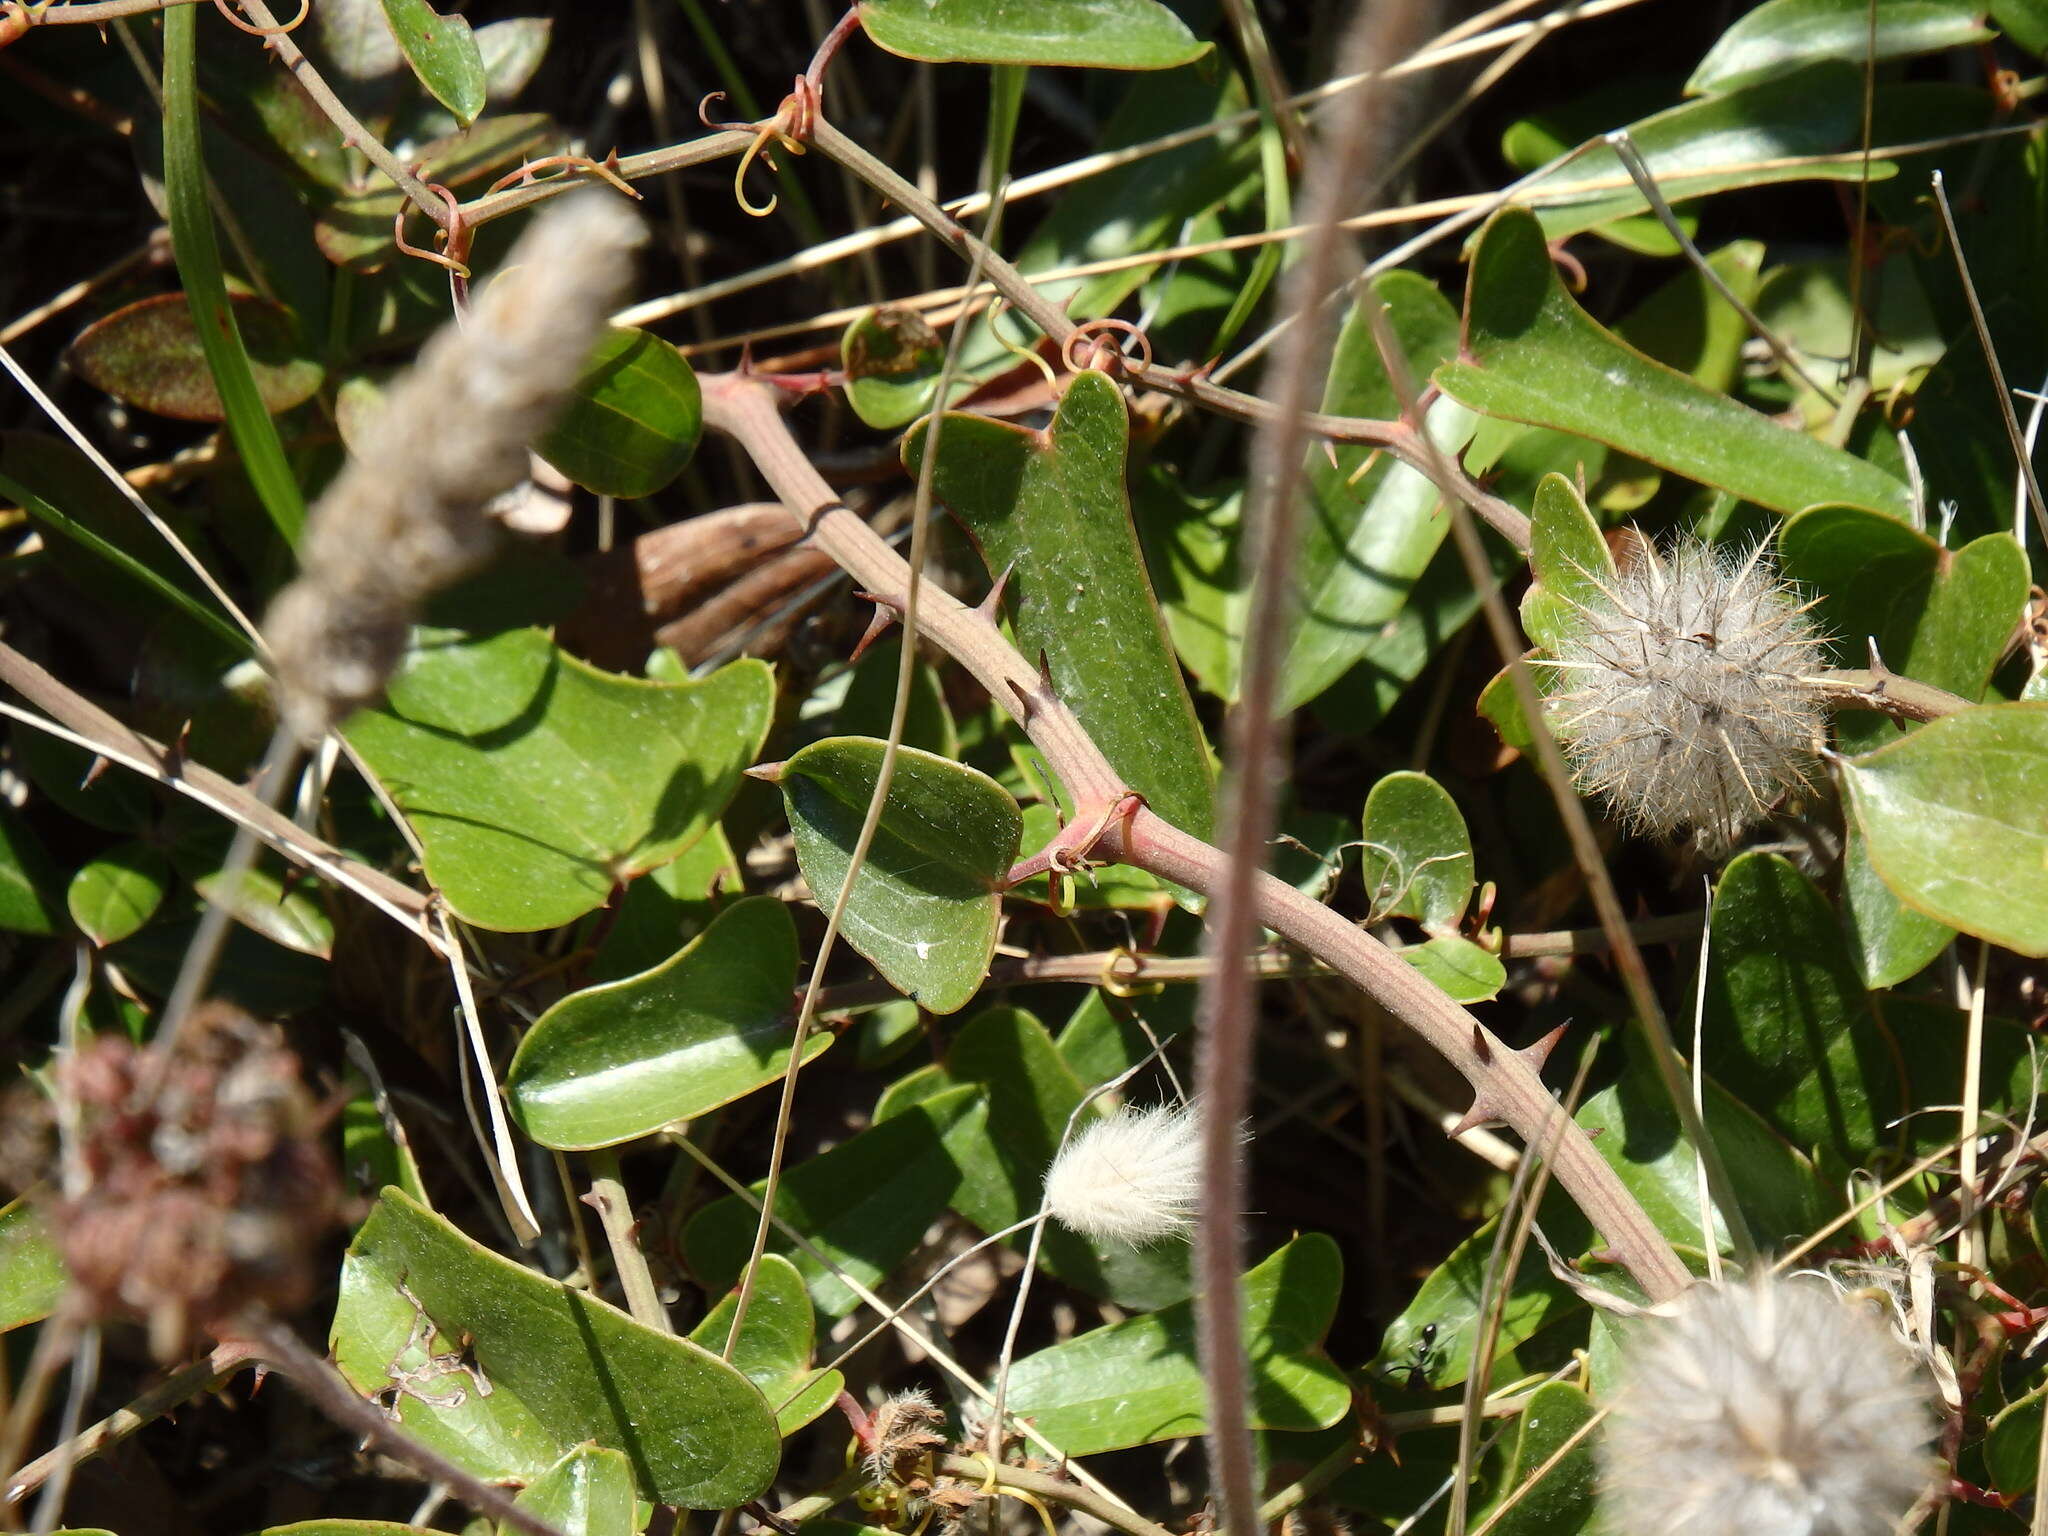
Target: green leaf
[
  {"x": 1939, "y": 616},
  {"x": 1565, "y": 1500},
  {"x": 1806, "y": 305},
  {"x": 2012, "y": 1443},
  {"x": 32, "y": 1277},
  {"x": 1570, "y": 558},
  {"x": 537, "y": 783},
  {"x": 1100, "y": 34},
  {"x": 1004, "y": 1148},
  {"x": 198, "y": 253},
  {"x": 1787, "y": 1026},
  {"x": 709, "y": 1025},
  {"x": 664, "y": 909},
  {"x": 1458, "y": 967},
  {"x": 371, "y": 1157},
  {"x": 1687, "y": 324},
  {"x": 1532, "y": 355},
  {"x": 1370, "y": 536},
  {"x": 1418, "y": 855},
  {"x": 869, "y": 702},
  {"x": 925, "y": 907},
  {"x": 2024, "y": 22},
  {"x": 1956, "y": 819},
  {"x": 149, "y": 354},
  {"x": 443, "y": 53},
  {"x": 774, "y": 1350},
  {"x": 1634, "y": 1127},
  {"x": 1738, "y": 140},
  {"x": 1191, "y": 543},
  {"x": 1782, "y": 35},
  {"x": 1051, "y": 509},
  {"x": 1892, "y": 942},
  {"x": 25, "y": 876},
  {"x": 865, "y": 1204},
  {"x": 892, "y": 357},
  {"x": 1138, "y": 1381},
  {"x": 632, "y": 422},
  {"x": 1118, "y": 886},
  {"x": 331, "y": 1528},
  {"x": 563, "y": 1368},
  {"x": 117, "y": 892},
  {"x": 589, "y": 1492},
  {"x": 354, "y": 229},
  {"x": 1432, "y": 1344}
]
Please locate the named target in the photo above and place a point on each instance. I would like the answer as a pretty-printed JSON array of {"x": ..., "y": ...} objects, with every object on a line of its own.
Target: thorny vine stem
[
  {"x": 1507, "y": 1085},
  {"x": 1044, "y": 1485}
]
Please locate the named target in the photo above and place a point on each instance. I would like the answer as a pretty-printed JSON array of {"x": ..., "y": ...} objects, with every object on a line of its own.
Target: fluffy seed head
[
  {"x": 1765, "y": 1406},
  {"x": 1678, "y": 695},
  {"x": 1130, "y": 1177}
]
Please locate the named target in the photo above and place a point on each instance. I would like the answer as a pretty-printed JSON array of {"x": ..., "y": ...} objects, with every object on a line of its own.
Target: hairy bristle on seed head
[
  {"x": 408, "y": 514},
  {"x": 1771, "y": 1405},
  {"x": 1131, "y": 1177},
  {"x": 1679, "y": 694}
]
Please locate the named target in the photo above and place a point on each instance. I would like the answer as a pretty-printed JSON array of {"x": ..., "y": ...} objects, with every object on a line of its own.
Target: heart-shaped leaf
[
  {"x": 504, "y": 1371},
  {"x": 1418, "y": 855},
  {"x": 537, "y": 783},
  {"x": 710, "y": 1024},
  {"x": 1531, "y": 354},
  {"x": 633, "y": 420},
  {"x": 1138, "y": 1381},
  {"x": 1052, "y": 510},
  {"x": 1956, "y": 819},
  {"x": 1103, "y": 34},
  {"x": 774, "y": 1349},
  {"x": 925, "y": 906},
  {"x": 117, "y": 892}
]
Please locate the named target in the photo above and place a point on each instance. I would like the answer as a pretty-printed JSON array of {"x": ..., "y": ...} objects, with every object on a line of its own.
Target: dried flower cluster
[
  {"x": 205, "y": 1199},
  {"x": 1767, "y": 1406},
  {"x": 1131, "y": 1177},
  {"x": 1681, "y": 698},
  {"x": 408, "y": 516}
]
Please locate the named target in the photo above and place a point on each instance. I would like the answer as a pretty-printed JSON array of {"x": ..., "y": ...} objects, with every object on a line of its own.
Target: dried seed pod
[{"x": 1681, "y": 697}]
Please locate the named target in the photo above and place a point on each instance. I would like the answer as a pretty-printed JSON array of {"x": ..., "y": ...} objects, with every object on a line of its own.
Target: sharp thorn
[
  {"x": 1481, "y": 1113},
  {"x": 992, "y": 604},
  {"x": 1482, "y": 1047},
  {"x": 93, "y": 770},
  {"x": 1539, "y": 1053},
  {"x": 879, "y": 624}
]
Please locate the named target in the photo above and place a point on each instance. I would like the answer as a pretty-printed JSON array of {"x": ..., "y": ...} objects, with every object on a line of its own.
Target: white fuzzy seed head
[
  {"x": 1769, "y": 1406},
  {"x": 1131, "y": 1177},
  {"x": 1679, "y": 696}
]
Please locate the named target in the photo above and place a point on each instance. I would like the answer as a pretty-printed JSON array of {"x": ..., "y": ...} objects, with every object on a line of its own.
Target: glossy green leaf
[
  {"x": 589, "y": 1492},
  {"x": 1636, "y": 1130},
  {"x": 1370, "y": 535},
  {"x": 1138, "y": 1381},
  {"x": 1564, "y": 1495},
  {"x": 1891, "y": 941},
  {"x": 664, "y": 909},
  {"x": 865, "y": 1204},
  {"x": 869, "y": 702},
  {"x": 117, "y": 892},
  {"x": 1531, "y": 354},
  {"x": 26, "y": 877},
  {"x": 1051, "y": 509},
  {"x": 2024, "y": 22},
  {"x": 1781, "y": 35},
  {"x": 774, "y": 1350},
  {"x": 1787, "y": 1026},
  {"x": 1418, "y": 855},
  {"x": 1956, "y": 819},
  {"x": 32, "y": 1277},
  {"x": 1570, "y": 558},
  {"x": 538, "y": 783},
  {"x": 1689, "y": 326},
  {"x": 1005, "y": 1146},
  {"x": 1936, "y": 615},
  {"x": 272, "y": 898},
  {"x": 711, "y": 1024},
  {"x": 198, "y": 252},
  {"x": 1102, "y": 34},
  {"x": 1459, "y": 968},
  {"x": 149, "y": 354},
  {"x": 1742, "y": 139},
  {"x": 372, "y": 1157},
  {"x": 925, "y": 907},
  {"x": 443, "y": 53},
  {"x": 562, "y": 1367},
  {"x": 2012, "y": 1443},
  {"x": 1432, "y": 1343},
  {"x": 891, "y": 356},
  {"x": 340, "y": 1528},
  {"x": 634, "y": 418},
  {"x": 1191, "y": 545},
  {"x": 1806, "y": 305}
]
